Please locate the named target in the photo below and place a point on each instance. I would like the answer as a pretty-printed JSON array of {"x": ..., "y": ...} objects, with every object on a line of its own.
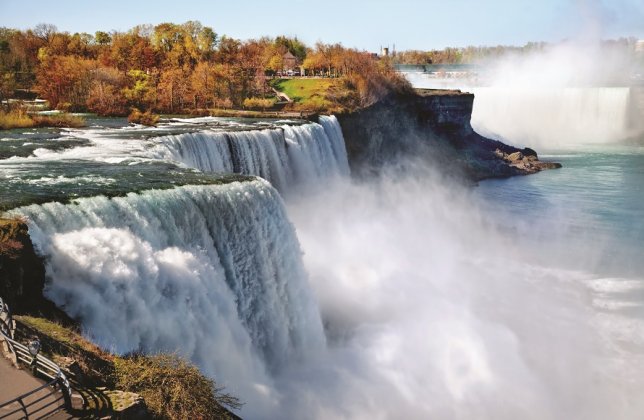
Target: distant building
[
  {"x": 290, "y": 61},
  {"x": 639, "y": 46}
]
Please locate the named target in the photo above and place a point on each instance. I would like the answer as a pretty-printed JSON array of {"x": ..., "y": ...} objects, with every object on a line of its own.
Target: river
[{"x": 402, "y": 295}]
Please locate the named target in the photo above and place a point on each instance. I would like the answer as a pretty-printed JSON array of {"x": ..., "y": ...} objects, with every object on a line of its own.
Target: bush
[
  {"x": 58, "y": 120},
  {"x": 173, "y": 388},
  {"x": 145, "y": 118},
  {"x": 258, "y": 103},
  {"x": 17, "y": 118}
]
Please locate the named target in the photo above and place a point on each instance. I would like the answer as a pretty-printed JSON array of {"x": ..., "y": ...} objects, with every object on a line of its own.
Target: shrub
[
  {"x": 145, "y": 118},
  {"x": 58, "y": 120},
  {"x": 17, "y": 118},
  {"x": 172, "y": 387},
  {"x": 258, "y": 103}
]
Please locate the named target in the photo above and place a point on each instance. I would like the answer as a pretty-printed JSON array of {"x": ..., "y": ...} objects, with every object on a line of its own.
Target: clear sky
[{"x": 365, "y": 24}]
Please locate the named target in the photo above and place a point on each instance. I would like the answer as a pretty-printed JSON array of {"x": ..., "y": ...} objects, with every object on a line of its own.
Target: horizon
[{"x": 479, "y": 24}]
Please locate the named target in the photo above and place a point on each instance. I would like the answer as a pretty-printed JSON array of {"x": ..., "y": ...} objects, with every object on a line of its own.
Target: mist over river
[{"x": 521, "y": 298}]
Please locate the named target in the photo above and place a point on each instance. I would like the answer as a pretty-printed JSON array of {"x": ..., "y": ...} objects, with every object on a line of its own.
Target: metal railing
[{"x": 38, "y": 364}]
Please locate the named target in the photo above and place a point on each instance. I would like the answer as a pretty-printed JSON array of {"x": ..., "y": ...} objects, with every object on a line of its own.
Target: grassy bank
[
  {"x": 19, "y": 118},
  {"x": 311, "y": 94},
  {"x": 171, "y": 386}
]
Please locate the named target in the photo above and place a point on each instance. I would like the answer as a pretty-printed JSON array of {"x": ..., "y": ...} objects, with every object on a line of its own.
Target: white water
[
  {"x": 542, "y": 116},
  {"x": 214, "y": 272},
  {"x": 438, "y": 308},
  {"x": 286, "y": 156},
  {"x": 433, "y": 306},
  {"x": 552, "y": 117}
]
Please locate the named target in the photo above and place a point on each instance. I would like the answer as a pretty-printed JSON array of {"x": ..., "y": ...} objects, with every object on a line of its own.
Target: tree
[
  {"x": 65, "y": 81},
  {"x": 7, "y": 86},
  {"x": 297, "y": 48},
  {"x": 202, "y": 82},
  {"x": 45, "y": 31},
  {"x": 141, "y": 91},
  {"x": 102, "y": 38},
  {"x": 106, "y": 95},
  {"x": 173, "y": 89}
]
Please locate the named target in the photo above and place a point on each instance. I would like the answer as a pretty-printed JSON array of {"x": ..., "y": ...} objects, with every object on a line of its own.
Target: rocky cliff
[
  {"x": 22, "y": 273},
  {"x": 434, "y": 124}
]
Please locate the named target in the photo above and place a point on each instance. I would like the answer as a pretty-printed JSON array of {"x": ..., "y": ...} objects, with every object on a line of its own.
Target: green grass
[
  {"x": 308, "y": 93},
  {"x": 69, "y": 341}
]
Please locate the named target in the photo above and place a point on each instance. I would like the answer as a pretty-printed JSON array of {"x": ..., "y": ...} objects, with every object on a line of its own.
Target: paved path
[
  {"x": 282, "y": 95},
  {"x": 15, "y": 382}
]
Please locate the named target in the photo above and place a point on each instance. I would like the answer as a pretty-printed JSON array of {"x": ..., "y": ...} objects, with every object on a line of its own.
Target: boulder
[
  {"x": 513, "y": 157},
  {"x": 127, "y": 405}
]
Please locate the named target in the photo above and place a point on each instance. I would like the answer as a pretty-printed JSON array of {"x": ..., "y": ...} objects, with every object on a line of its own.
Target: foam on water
[
  {"x": 211, "y": 271},
  {"x": 285, "y": 156}
]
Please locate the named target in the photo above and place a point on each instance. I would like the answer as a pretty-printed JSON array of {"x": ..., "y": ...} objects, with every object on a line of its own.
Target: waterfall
[
  {"x": 552, "y": 117},
  {"x": 214, "y": 272},
  {"x": 284, "y": 156}
]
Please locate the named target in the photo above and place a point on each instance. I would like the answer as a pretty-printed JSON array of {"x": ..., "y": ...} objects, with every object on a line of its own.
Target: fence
[{"x": 33, "y": 404}]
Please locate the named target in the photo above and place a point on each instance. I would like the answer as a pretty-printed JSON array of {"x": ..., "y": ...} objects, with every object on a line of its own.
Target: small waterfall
[
  {"x": 284, "y": 156},
  {"x": 552, "y": 117},
  {"x": 214, "y": 272}
]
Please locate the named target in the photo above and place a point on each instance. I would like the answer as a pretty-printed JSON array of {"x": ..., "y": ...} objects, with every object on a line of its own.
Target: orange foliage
[{"x": 175, "y": 68}]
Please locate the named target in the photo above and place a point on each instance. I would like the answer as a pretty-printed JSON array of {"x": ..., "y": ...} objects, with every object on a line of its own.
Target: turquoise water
[{"x": 589, "y": 214}]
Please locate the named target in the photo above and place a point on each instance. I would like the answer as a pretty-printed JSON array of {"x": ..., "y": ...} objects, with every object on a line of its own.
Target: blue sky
[{"x": 409, "y": 24}]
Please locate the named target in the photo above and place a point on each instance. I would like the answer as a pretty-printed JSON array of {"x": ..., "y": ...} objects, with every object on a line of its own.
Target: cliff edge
[{"x": 434, "y": 124}]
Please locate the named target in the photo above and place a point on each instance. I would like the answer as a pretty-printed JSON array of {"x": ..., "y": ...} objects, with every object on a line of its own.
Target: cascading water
[
  {"x": 544, "y": 117},
  {"x": 552, "y": 117},
  {"x": 285, "y": 156},
  {"x": 434, "y": 305},
  {"x": 214, "y": 272}
]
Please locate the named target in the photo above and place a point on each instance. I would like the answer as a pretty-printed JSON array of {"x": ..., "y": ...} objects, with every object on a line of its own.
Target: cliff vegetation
[{"x": 171, "y": 387}]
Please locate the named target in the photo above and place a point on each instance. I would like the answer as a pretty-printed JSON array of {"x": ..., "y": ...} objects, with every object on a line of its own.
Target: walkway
[{"x": 15, "y": 382}]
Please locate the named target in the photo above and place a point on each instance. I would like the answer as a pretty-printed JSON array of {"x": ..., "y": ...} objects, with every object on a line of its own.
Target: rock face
[
  {"x": 434, "y": 124},
  {"x": 22, "y": 273}
]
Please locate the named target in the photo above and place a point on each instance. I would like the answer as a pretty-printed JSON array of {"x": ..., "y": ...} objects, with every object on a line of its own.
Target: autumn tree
[
  {"x": 106, "y": 96},
  {"x": 140, "y": 91},
  {"x": 202, "y": 83},
  {"x": 174, "y": 90},
  {"x": 130, "y": 51},
  {"x": 65, "y": 81}
]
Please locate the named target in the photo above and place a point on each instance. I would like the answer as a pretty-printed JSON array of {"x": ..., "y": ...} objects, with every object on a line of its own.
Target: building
[
  {"x": 290, "y": 61},
  {"x": 639, "y": 46}
]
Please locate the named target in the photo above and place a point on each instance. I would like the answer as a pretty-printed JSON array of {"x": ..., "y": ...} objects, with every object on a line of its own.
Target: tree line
[
  {"x": 173, "y": 68},
  {"x": 476, "y": 54}
]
